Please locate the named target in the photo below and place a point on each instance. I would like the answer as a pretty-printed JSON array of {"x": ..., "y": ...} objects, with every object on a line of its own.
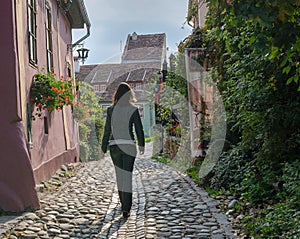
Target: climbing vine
[{"x": 255, "y": 49}]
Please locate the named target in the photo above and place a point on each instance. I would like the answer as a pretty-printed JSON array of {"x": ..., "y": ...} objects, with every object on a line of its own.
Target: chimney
[{"x": 134, "y": 36}]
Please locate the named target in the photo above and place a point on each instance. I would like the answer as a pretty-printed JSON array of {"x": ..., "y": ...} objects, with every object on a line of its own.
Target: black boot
[{"x": 126, "y": 214}]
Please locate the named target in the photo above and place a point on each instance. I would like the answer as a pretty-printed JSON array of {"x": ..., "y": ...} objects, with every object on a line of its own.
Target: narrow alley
[{"x": 167, "y": 204}]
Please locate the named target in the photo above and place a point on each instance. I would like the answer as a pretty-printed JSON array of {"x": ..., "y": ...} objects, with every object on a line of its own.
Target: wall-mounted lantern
[{"x": 83, "y": 54}]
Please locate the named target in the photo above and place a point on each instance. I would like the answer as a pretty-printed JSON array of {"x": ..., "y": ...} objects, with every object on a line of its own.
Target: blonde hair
[{"x": 125, "y": 92}]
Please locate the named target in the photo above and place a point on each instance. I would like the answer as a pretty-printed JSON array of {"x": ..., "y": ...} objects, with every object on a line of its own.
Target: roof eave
[{"x": 78, "y": 15}]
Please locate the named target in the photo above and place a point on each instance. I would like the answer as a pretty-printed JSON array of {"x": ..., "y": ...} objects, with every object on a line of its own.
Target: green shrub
[
  {"x": 90, "y": 133},
  {"x": 83, "y": 131},
  {"x": 277, "y": 221},
  {"x": 99, "y": 127},
  {"x": 148, "y": 139},
  {"x": 229, "y": 169},
  {"x": 162, "y": 159},
  {"x": 193, "y": 171},
  {"x": 157, "y": 139},
  {"x": 171, "y": 146},
  {"x": 291, "y": 178},
  {"x": 85, "y": 151},
  {"x": 92, "y": 137}
]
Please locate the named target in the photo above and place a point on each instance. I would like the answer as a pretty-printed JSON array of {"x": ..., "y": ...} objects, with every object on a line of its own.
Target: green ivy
[
  {"x": 278, "y": 221},
  {"x": 255, "y": 58}
]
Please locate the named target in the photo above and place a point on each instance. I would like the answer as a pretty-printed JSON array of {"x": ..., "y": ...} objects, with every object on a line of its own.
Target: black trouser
[{"x": 123, "y": 162}]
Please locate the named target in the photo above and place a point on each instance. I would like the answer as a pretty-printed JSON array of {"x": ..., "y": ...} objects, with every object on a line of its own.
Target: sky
[{"x": 112, "y": 21}]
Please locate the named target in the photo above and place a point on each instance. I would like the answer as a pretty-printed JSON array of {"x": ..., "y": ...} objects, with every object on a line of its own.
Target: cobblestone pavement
[{"x": 167, "y": 204}]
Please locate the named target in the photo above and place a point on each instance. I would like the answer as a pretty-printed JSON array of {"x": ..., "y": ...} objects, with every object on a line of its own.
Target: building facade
[
  {"x": 36, "y": 37},
  {"x": 142, "y": 58},
  {"x": 200, "y": 87}
]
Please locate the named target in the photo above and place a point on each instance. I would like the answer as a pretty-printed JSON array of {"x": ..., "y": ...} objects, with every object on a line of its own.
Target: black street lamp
[
  {"x": 83, "y": 53},
  {"x": 164, "y": 70}
]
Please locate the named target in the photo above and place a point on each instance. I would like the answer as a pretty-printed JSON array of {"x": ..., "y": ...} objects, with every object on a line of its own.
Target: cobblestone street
[{"x": 167, "y": 204}]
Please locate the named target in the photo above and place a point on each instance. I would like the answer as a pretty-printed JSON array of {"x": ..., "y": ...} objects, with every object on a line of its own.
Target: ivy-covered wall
[{"x": 254, "y": 52}]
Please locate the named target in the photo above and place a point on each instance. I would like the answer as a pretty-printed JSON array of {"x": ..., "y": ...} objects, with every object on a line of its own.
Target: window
[
  {"x": 49, "y": 47},
  {"x": 96, "y": 88},
  {"x": 103, "y": 87},
  {"x": 100, "y": 88},
  {"x": 31, "y": 21},
  {"x": 132, "y": 85},
  {"x": 138, "y": 86}
]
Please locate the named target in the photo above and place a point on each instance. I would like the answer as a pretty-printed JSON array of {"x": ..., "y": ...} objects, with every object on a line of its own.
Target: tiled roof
[
  {"x": 142, "y": 56},
  {"x": 113, "y": 74},
  {"x": 143, "y": 48},
  {"x": 85, "y": 70},
  {"x": 106, "y": 73},
  {"x": 142, "y": 41},
  {"x": 101, "y": 73},
  {"x": 147, "y": 74}
]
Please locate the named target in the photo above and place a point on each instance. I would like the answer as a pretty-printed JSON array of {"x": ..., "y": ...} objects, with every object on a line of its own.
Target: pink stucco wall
[
  {"x": 22, "y": 166},
  {"x": 49, "y": 151},
  {"x": 17, "y": 187}
]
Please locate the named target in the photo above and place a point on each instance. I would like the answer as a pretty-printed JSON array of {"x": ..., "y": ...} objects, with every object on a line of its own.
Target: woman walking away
[{"x": 122, "y": 118}]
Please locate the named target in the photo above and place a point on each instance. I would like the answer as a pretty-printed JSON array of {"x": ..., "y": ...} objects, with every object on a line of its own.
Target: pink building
[{"x": 35, "y": 35}]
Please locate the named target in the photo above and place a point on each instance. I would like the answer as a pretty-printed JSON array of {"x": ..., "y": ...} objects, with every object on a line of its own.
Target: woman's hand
[{"x": 142, "y": 150}]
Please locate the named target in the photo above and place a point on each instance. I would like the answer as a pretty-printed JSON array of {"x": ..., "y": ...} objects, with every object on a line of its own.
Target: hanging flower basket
[{"x": 49, "y": 93}]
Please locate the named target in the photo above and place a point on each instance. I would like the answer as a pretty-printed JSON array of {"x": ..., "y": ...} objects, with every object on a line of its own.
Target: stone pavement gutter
[{"x": 166, "y": 204}]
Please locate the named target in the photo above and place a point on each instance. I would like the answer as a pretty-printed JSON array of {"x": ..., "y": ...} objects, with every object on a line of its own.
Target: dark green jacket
[{"x": 120, "y": 121}]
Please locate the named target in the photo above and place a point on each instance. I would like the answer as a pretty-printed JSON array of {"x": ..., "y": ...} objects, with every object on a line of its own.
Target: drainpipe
[{"x": 87, "y": 23}]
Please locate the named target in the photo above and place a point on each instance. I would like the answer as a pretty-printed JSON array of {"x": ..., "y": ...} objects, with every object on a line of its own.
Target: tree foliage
[
  {"x": 254, "y": 49},
  {"x": 87, "y": 113}
]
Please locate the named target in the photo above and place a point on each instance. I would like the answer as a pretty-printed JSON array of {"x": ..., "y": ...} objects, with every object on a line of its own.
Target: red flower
[{"x": 54, "y": 89}]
